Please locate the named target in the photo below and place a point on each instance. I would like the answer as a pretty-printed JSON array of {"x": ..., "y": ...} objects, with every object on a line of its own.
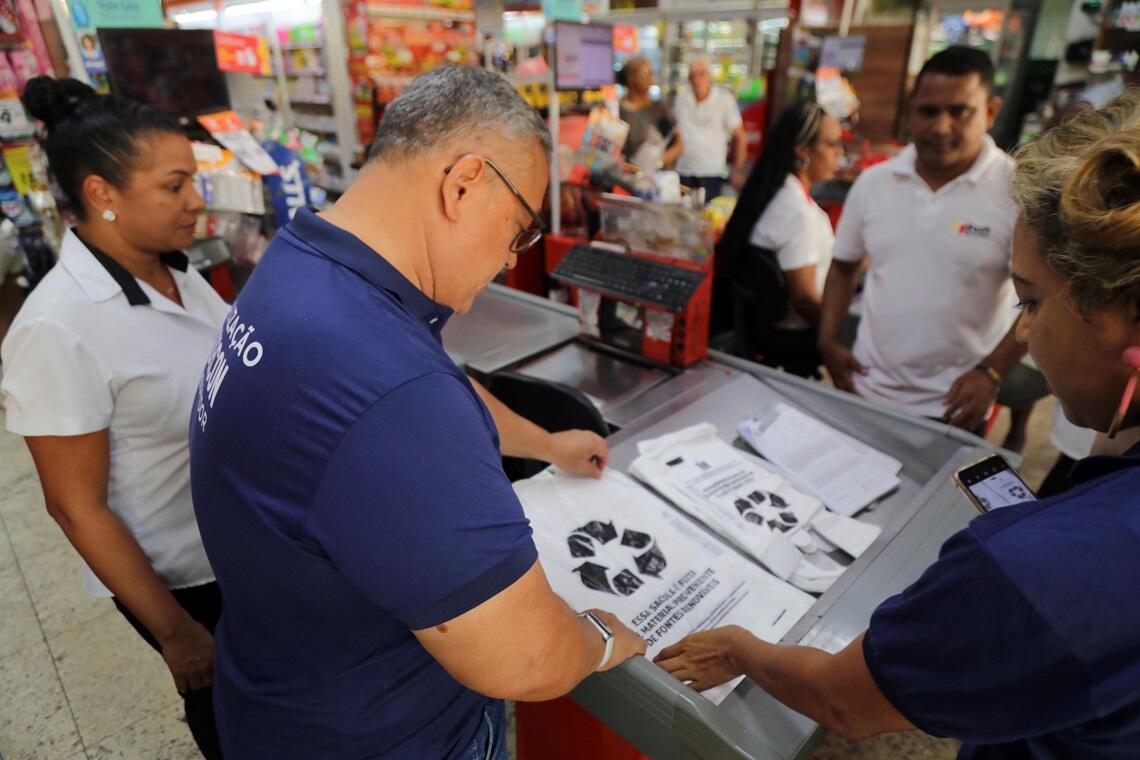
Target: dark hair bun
[{"x": 52, "y": 100}]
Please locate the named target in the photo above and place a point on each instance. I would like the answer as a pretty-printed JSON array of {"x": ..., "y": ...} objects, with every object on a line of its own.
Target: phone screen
[{"x": 995, "y": 485}]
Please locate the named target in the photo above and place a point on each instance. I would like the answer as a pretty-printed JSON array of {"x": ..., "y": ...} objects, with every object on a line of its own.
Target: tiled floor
[{"x": 76, "y": 682}]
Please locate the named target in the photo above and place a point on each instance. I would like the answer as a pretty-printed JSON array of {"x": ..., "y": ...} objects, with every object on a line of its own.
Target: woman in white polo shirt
[
  {"x": 776, "y": 215},
  {"x": 100, "y": 369}
]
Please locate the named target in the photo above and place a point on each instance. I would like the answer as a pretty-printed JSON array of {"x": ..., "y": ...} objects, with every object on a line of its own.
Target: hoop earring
[{"x": 109, "y": 215}]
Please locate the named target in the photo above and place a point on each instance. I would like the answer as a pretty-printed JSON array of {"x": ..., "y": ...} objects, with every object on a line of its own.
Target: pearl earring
[{"x": 109, "y": 216}]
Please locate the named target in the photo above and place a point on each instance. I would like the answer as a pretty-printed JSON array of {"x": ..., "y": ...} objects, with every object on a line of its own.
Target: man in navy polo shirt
[{"x": 381, "y": 586}]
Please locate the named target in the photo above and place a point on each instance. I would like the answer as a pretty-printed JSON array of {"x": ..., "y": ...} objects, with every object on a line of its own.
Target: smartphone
[{"x": 992, "y": 484}]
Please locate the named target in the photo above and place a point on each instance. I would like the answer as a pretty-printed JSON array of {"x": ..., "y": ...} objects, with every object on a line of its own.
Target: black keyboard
[{"x": 629, "y": 277}]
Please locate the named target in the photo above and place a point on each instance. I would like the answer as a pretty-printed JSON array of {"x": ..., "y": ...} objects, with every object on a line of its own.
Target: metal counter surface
[
  {"x": 667, "y": 720},
  {"x": 661, "y": 717},
  {"x": 506, "y": 326}
]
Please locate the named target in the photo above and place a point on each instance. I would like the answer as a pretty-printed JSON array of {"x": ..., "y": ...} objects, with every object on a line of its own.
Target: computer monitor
[
  {"x": 174, "y": 71},
  {"x": 843, "y": 53},
  {"x": 583, "y": 56}
]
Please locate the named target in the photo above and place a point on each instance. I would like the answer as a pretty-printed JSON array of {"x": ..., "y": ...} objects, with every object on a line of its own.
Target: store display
[
  {"x": 583, "y": 56},
  {"x": 610, "y": 544}
]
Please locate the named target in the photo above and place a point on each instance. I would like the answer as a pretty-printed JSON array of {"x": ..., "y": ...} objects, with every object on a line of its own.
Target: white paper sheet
[
  {"x": 611, "y": 544},
  {"x": 846, "y": 474},
  {"x": 749, "y": 503}
]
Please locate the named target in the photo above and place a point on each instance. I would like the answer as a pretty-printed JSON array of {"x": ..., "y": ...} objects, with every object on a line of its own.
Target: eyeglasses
[{"x": 527, "y": 238}]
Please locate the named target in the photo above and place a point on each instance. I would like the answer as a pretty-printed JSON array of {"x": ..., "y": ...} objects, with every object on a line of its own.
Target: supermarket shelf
[
  {"x": 303, "y": 46},
  {"x": 311, "y": 100},
  {"x": 306, "y": 73},
  {"x": 421, "y": 14}
]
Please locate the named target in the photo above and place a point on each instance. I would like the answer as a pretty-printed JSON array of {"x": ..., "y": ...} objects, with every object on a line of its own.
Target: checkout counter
[{"x": 661, "y": 717}]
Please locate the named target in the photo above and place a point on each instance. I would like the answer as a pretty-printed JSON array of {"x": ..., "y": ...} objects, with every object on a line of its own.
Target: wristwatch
[
  {"x": 607, "y": 636},
  {"x": 994, "y": 376}
]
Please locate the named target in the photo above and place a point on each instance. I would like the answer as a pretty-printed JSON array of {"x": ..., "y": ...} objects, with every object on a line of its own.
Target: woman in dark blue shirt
[{"x": 1023, "y": 640}]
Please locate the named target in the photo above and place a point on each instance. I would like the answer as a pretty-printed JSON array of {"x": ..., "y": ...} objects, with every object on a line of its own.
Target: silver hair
[{"x": 449, "y": 102}]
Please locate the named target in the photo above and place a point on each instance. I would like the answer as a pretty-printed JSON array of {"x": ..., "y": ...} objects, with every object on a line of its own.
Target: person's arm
[
  {"x": 73, "y": 471},
  {"x": 838, "y": 290},
  {"x": 971, "y": 396},
  {"x": 802, "y": 293},
  {"x": 674, "y": 151},
  {"x": 739, "y": 157},
  {"x": 836, "y": 691},
  {"x": 580, "y": 452},
  {"x": 525, "y": 643}
]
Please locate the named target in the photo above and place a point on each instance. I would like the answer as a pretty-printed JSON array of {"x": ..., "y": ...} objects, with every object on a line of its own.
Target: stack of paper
[
  {"x": 610, "y": 544},
  {"x": 748, "y": 503},
  {"x": 845, "y": 474}
]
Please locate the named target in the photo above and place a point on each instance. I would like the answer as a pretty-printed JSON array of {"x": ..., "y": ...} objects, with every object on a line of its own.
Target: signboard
[
  {"x": 89, "y": 15},
  {"x": 242, "y": 53},
  {"x": 228, "y": 129}
]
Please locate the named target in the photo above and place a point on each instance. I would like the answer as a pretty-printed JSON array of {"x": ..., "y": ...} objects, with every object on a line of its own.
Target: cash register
[{"x": 646, "y": 286}]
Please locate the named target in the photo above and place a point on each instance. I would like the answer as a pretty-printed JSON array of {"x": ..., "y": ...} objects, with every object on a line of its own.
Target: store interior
[{"x": 282, "y": 100}]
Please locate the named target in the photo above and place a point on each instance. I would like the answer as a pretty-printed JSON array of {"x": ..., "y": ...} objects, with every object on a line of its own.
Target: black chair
[
  {"x": 758, "y": 294},
  {"x": 552, "y": 406}
]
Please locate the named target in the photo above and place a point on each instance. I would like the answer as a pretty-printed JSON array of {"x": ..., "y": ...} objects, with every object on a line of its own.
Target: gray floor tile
[
  {"x": 19, "y": 628},
  {"x": 30, "y": 528},
  {"x": 111, "y": 677},
  {"x": 161, "y": 736},
  {"x": 35, "y": 722},
  {"x": 55, "y": 582}
]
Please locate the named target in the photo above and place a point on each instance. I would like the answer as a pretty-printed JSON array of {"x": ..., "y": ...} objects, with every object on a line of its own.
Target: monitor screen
[
  {"x": 843, "y": 53},
  {"x": 583, "y": 56},
  {"x": 174, "y": 71}
]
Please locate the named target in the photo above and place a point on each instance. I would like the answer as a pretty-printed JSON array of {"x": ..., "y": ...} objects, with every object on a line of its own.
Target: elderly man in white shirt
[
  {"x": 707, "y": 117},
  {"x": 936, "y": 223}
]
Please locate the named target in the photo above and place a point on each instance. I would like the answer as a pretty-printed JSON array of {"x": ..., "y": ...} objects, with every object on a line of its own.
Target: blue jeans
[{"x": 490, "y": 741}]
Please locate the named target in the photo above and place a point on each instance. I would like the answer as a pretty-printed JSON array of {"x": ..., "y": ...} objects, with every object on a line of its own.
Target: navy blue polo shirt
[
  {"x": 1023, "y": 640},
  {"x": 349, "y": 490}
]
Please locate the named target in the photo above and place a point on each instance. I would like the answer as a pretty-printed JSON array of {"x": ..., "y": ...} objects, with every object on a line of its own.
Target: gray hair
[{"x": 450, "y": 101}]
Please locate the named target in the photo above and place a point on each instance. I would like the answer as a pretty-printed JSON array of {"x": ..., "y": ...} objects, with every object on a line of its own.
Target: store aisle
[{"x": 77, "y": 681}]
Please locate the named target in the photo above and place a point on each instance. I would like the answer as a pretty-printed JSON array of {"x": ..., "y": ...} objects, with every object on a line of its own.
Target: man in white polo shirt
[
  {"x": 936, "y": 223},
  {"x": 707, "y": 117}
]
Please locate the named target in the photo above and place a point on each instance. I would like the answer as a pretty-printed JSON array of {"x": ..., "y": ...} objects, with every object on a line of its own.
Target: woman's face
[
  {"x": 826, "y": 152},
  {"x": 1080, "y": 355},
  {"x": 641, "y": 78},
  {"x": 159, "y": 207}
]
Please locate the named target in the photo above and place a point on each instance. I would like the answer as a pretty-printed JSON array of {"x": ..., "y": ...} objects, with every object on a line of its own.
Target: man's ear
[
  {"x": 458, "y": 182},
  {"x": 993, "y": 106}
]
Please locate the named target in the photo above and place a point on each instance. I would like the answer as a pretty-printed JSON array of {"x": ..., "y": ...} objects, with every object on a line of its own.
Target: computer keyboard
[{"x": 629, "y": 277}]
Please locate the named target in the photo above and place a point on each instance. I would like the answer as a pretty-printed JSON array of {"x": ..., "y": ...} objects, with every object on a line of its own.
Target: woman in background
[{"x": 776, "y": 216}]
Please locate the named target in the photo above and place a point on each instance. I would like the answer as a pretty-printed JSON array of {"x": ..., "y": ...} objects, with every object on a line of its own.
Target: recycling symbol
[
  {"x": 595, "y": 537},
  {"x": 776, "y": 514}
]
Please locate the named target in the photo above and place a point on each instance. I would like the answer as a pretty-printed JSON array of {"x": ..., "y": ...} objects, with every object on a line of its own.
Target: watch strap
[
  {"x": 989, "y": 372},
  {"x": 606, "y": 634}
]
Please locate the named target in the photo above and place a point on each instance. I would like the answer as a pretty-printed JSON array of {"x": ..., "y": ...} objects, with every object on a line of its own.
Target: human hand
[
  {"x": 969, "y": 400},
  {"x": 739, "y": 177},
  {"x": 705, "y": 659},
  {"x": 841, "y": 364},
  {"x": 189, "y": 654},
  {"x": 579, "y": 452},
  {"x": 626, "y": 643}
]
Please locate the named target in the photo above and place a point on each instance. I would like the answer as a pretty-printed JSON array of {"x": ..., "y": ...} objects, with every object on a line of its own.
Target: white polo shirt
[
  {"x": 938, "y": 295},
  {"x": 799, "y": 231},
  {"x": 93, "y": 348},
  {"x": 705, "y": 129}
]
